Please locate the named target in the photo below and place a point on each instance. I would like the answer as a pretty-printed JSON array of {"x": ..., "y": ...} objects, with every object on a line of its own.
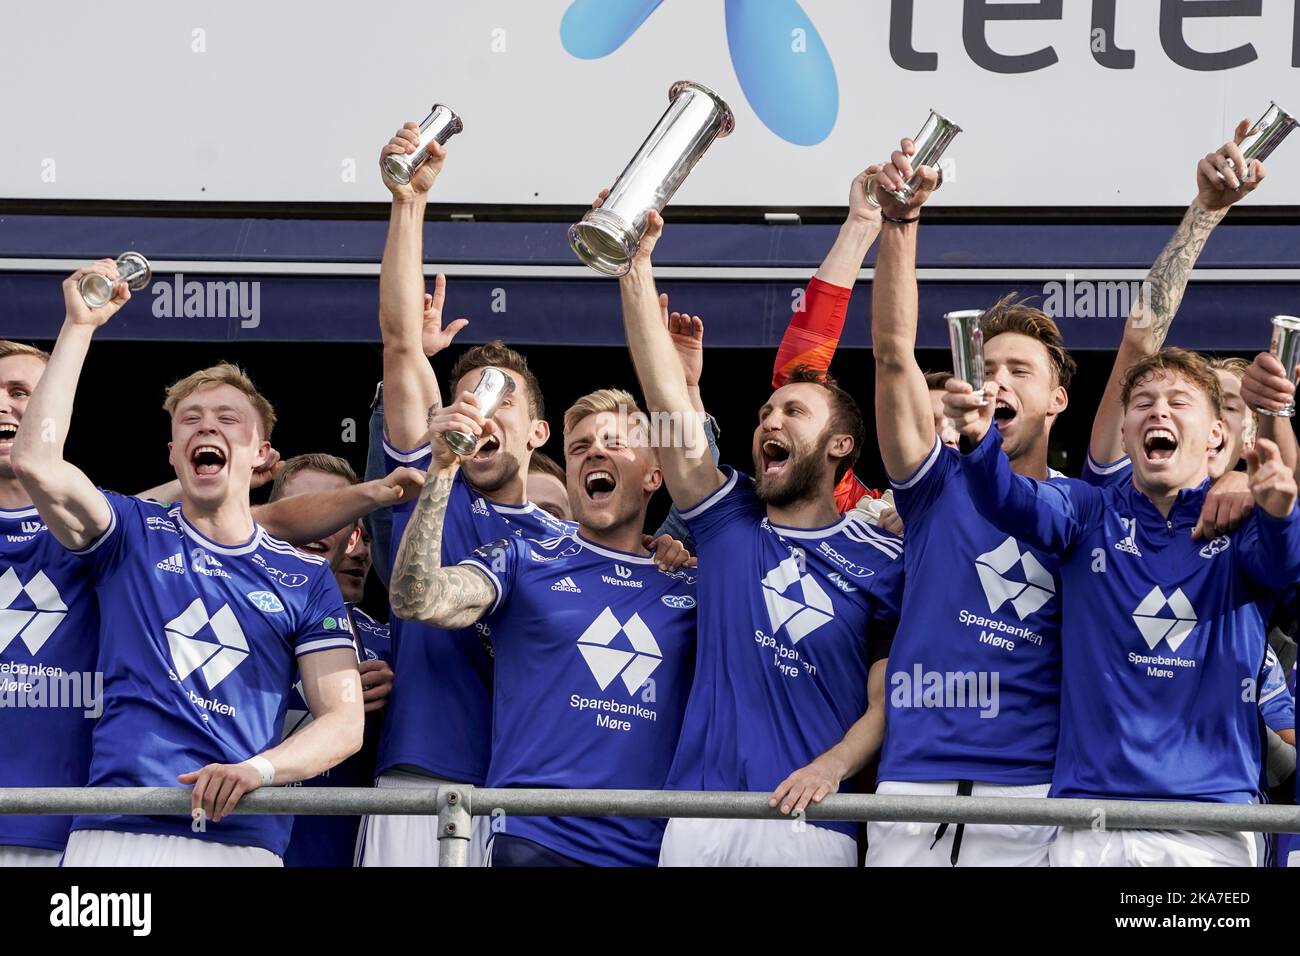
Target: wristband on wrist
[
  {"x": 263, "y": 767},
  {"x": 900, "y": 221}
]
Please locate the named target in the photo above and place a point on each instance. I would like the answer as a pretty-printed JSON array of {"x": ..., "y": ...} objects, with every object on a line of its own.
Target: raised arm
[
  {"x": 302, "y": 519},
  {"x": 407, "y": 315},
  {"x": 1272, "y": 560},
  {"x": 1149, "y": 319},
  {"x": 689, "y": 471},
  {"x": 904, "y": 418},
  {"x": 422, "y": 589},
  {"x": 1265, "y": 386},
  {"x": 69, "y": 503}
]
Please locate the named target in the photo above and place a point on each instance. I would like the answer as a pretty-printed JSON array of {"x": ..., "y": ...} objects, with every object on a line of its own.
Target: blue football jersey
[
  {"x": 1276, "y": 702},
  {"x": 50, "y": 690},
  {"x": 198, "y": 645},
  {"x": 1163, "y": 636},
  {"x": 331, "y": 840},
  {"x": 975, "y": 672},
  {"x": 1115, "y": 474},
  {"x": 440, "y": 712},
  {"x": 790, "y": 621},
  {"x": 594, "y": 652}
]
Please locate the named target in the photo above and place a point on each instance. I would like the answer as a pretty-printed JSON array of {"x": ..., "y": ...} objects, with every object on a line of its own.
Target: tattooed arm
[
  {"x": 1218, "y": 187},
  {"x": 422, "y": 589}
]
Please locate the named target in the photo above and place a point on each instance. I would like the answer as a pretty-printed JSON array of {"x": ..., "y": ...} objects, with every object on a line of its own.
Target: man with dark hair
[
  {"x": 796, "y": 607},
  {"x": 1160, "y": 633},
  {"x": 546, "y": 486}
]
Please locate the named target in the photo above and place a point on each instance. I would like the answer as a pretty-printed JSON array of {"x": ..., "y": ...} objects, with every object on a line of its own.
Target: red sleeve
[
  {"x": 850, "y": 491},
  {"x": 814, "y": 332}
]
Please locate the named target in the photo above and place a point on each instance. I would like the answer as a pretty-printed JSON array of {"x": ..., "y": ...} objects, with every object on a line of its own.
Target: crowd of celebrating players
[{"x": 987, "y": 626}]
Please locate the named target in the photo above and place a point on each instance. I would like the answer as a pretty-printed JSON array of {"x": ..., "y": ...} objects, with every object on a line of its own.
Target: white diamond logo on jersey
[
  {"x": 606, "y": 662},
  {"x": 33, "y": 626},
  {"x": 1156, "y": 627},
  {"x": 1026, "y": 596},
  {"x": 800, "y": 609},
  {"x": 190, "y": 652}
]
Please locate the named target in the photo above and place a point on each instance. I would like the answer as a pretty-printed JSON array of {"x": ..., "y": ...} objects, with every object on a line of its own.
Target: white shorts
[
  {"x": 28, "y": 856},
  {"x": 408, "y": 840},
  {"x": 694, "y": 842},
  {"x": 984, "y": 844},
  {"x": 111, "y": 848},
  {"x": 1077, "y": 846}
]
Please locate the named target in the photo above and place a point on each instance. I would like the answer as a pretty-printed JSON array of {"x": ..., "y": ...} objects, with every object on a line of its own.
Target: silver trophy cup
[
  {"x": 607, "y": 238},
  {"x": 132, "y": 268},
  {"x": 1286, "y": 348},
  {"x": 931, "y": 143},
  {"x": 967, "y": 340},
  {"x": 1264, "y": 137},
  {"x": 493, "y": 386},
  {"x": 441, "y": 124}
]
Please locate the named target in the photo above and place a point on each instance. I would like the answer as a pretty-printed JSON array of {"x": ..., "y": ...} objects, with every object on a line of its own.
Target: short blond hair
[
  {"x": 1231, "y": 364},
  {"x": 602, "y": 400},
  {"x": 223, "y": 373},
  {"x": 8, "y": 348},
  {"x": 317, "y": 461}
]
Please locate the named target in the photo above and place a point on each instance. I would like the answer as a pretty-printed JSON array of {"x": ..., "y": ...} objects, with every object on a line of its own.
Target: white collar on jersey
[
  {"x": 825, "y": 532},
  {"x": 247, "y": 547},
  {"x": 610, "y": 552}
]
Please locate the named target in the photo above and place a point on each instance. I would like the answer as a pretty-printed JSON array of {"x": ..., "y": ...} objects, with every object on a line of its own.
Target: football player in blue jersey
[
  {"x": 1163, "y": 636},
  {"x": 204, "y": 615},
  {"x": 797, "y": 605},
  {"x": 594, "y": 644},
  {"x": 980, "y": 608}
]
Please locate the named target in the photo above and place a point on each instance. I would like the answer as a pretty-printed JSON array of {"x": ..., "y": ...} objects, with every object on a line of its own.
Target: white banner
[{"x": 1075, "y": 102}]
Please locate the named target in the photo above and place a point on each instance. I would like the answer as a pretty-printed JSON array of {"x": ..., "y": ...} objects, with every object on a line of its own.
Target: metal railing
[{"x": 456, "y": 804}]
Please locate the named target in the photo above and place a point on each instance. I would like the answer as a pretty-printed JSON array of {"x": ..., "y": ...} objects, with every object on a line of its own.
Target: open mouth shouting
[
  {"x": 775, "y": 454},
  {"x": 488, "y": 449},
  {"x": 1003, "y": 413},
  {"x": 599, "y": 484},
  {"x": 1159, "y": 444},
  {"x": 207, "y": 460},
  {"x": 8, "y": 431}
]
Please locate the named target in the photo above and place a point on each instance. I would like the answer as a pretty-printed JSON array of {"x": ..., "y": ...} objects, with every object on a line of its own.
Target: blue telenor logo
[{"x": 779, "y": 57}]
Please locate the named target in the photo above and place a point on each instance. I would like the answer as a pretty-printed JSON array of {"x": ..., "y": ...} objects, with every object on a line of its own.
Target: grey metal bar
[
  {"x": 454, "y": 825},
  {"x": 482, "y": 801}
]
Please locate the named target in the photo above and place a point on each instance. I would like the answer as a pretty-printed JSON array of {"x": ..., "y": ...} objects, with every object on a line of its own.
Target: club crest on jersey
[
  {"x": 683, "y": 602},
  {"x": 838, "y": 580},
  {"x": 1026, "y": 596},
  {"x": 795, "y": 600},
  {"x": 606, "y": 662},
  {"x": 1157, "y": 626},
  {"x": 1217, "y": 546},
  {"x": 265, "y": 601},
  {"x": 204, "y": 563},
  {"x": 32, "y": 626}
]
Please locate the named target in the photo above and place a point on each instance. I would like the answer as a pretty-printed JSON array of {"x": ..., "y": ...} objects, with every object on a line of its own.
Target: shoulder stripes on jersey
[
  {"x": 712, "y": 499},
  {"x": 1091, "y": 464},
  {"x": 922, "y": 471},
  {"x": 284, "y": 547},
  {"x": 325, "y": 644},
  {"x": 406, "y": 456},
  {"x": 859, "y": 530},
  {"x": 491, "y": 576},
  {"x": 112, "y": 523}
]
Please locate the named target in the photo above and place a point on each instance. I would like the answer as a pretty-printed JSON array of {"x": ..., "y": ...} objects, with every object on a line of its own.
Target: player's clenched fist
[
  {"x": 961, "y": 404},
  {"x": 1271, "y": 481}
]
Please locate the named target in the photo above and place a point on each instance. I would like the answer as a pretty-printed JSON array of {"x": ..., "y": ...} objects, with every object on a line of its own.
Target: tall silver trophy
[
  {"x": 607, "y": 238},
  {"x": 934, "y": 138},
  {"x": 967, "y": 341},
  {"x": 441, "y": 124},
  {"x": 132, "y": 268},
  {"x": 1264, "y": 137},
  {"x": 1286, "y": 349}
]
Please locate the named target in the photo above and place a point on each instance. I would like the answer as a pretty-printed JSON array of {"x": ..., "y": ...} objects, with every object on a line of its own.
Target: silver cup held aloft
[
  {"x": 492, "y": 388},
  {"x": 931, "y": 143},
  {"x": 132, "y": 268},
  {"x": 1265, "y": 136},
  {"x": 441, "y": 124},
  {"x": 607, "y": 238},
  {"x": 967, "y": 341},
  {"x": 1286, "y": 349}
]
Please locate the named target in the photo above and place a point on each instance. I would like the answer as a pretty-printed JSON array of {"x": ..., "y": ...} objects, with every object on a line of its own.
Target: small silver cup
[
  {"x": 1286, "y": 349},
  {"x": 1265, "y": 136},
  {"x": 132, "y": 268},
  {"x": 441, "y": 124},
  {"x": 607, "y": 237},
  {"x": 967, "y": 341},
  {"x": 931, "y": 143},
  {"x": 493, "y": 386}
]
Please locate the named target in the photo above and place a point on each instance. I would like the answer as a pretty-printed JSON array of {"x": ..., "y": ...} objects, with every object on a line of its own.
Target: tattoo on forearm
[
  {"x": 434, "y": 409},
  {"x": 421, "y": 588},
  {"x": 1167, "y": 282}
]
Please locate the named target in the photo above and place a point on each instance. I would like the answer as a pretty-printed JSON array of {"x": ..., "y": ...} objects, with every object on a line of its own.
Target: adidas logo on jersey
[
  {"x": 801, "y": 614},
  {"x": 190, "y": 652},
  {"x": 633, "y": 667},
  {"x": 1173, "y": 630},
  {"x": 1025, "y": 596},
  {"x": 174, "y": 564},
  {"x": 479, "y": 507},
  {"x": 36, "y": 626},
  {"x": 566, "y": 584}
]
